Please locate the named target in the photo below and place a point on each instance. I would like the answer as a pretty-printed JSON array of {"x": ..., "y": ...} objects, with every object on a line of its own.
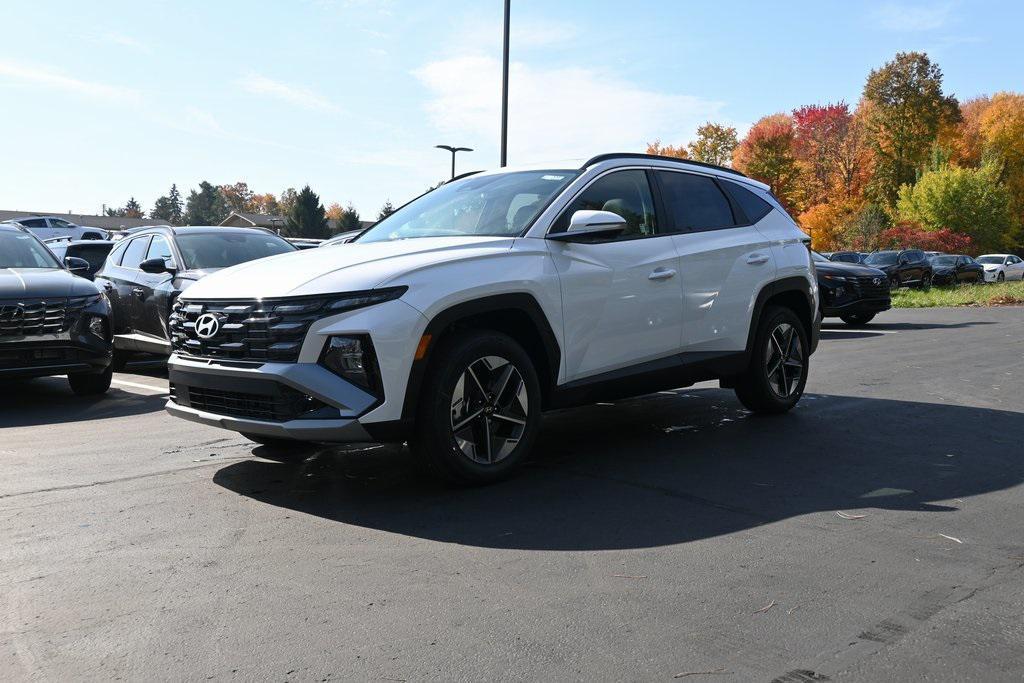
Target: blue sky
[{"x": 102, "y": 101}]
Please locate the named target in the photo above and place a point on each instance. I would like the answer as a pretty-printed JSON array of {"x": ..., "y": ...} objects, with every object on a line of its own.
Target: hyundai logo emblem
[
  {"x": 877, "y": 281},
  {"x": 207, "y": 326},
  {"x": 11, "y": 314}
]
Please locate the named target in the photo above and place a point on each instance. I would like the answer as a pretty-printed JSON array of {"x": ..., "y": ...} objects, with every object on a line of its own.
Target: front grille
[
  {"x": 280, "y": 406},
  {"x": 35, "y": 317},
  {"x": 36, "y": 357},
  {"x": 867, "y": 289},
  {"x": 247, "y": 330}
]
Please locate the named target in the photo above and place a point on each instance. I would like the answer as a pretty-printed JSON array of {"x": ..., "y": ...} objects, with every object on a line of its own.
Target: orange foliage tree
[{"x": 767, "y": 154}]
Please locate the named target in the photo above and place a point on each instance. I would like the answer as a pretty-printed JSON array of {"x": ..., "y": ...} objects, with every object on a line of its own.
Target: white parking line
[
  {"x": 859, "y": 331},
  {"x": 136, "y": 385}
]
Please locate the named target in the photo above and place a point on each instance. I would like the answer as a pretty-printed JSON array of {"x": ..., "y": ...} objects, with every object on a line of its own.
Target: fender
[
  {"x": 440, "y": 323},
  {"x": 788, "y": 284}
]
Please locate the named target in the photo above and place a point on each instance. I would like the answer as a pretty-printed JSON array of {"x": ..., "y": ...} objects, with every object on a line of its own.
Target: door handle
[
  {"x": 139, "y": 292},
  {"x": 661, "y": 274},
  {"x": 757, "y": 259}
]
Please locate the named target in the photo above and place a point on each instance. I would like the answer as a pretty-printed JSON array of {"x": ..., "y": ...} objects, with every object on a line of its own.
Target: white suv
[
  {"x": 51, "y": 227},
  {"x": 459, "y": 318}
]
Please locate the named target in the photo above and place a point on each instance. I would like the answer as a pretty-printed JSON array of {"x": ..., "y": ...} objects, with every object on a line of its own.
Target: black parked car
[
  {"x": 52, "y": 322},
  {"x": 852, "y": 292},
  {"x": 146, "y": 271},
  {"x": 906, "y": 268},
  {"x": 846, "y": 256},
  {"x": 94, "y": 252},
  {"x": 955, "y": 269}
]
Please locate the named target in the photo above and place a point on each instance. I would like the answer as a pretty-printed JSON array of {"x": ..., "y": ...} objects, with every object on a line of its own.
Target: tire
[
  {"x": 857, "y": 319},
  {"x": 761, "y": 388},
  {"x": 92, "y": 384},
  {"x": 894, "y": 283},
  {"x": 479, "y": 410},
  {"x": 1001, "y": 277},
  {"x": 281, "y": 450},
  {"x": 926, "y": 282}
]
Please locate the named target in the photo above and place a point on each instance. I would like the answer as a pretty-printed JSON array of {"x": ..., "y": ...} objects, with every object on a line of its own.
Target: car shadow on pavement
[
  {"x": 664, "y": 469},
  {"x": 49, "y": 401}
]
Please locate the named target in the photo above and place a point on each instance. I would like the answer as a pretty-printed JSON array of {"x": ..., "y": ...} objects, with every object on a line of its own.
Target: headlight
[
  {"x": 341, "y": 303},
  {"x": 352, "y": 358},
  {"x": 98, "y": 327},
  {"x": 835, "y": 278}
]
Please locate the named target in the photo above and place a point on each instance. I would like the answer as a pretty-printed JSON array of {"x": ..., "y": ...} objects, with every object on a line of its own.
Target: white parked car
[
  {"x": 456, "y": 320},
  {"x": 50, "y": 227},
  {"x": 1002, "y": 267}
]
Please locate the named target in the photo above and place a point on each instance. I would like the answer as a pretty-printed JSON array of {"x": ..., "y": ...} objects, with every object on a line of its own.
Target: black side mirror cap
[
  {"x": 155, "y": 265},
  {"x": 78, "y": 266}
]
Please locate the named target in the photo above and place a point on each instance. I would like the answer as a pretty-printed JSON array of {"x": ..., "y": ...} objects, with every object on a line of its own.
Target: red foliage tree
[{"x": 909, "y": 235}]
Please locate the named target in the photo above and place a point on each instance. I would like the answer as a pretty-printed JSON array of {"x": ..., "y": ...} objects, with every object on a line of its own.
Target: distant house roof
[
  {"x": 87, "y": 220},
  {"x": 244, "y": 219}
]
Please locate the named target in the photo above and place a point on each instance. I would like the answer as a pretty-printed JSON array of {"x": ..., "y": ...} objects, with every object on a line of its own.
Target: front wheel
[
  {"x": 91, "y": 385},
  {"x": 479, "y": 409},
  {"x": 1001, "y": 277},
  {"x": 775, "y": 379},
  {"x": 926, "y": 282},
  {"x": 857, "y": 319}
]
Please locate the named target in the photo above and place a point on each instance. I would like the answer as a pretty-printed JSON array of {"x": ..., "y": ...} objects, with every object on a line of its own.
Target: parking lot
[{"x": 873, "y": 533}]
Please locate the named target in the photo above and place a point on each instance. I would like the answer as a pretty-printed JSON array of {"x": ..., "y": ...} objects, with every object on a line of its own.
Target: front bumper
[
  {"x": 858, "y": 307},
  {"x": 302, "y": 401},
  {"x": 73, "y": 350},
  {"x": 991, "y": 275}
]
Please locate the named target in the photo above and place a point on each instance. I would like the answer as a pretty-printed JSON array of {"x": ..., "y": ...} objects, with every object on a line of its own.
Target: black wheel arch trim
[
  {"x": 443, "y": 321},
  {"x": 796, "y": 283}
]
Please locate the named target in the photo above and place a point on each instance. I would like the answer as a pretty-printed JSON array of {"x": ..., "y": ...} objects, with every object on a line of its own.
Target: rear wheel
[
  {"x": 894, "y": 283},
  {"x": 857, "y": 319},
  {"x": 479, "y": 412},
  {"x": 91, "y": 385},
  {"x": 775, "y": 379}
]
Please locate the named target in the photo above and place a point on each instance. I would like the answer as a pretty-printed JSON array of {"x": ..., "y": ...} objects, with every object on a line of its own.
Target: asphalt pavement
[{"x": 874, "y": 533}]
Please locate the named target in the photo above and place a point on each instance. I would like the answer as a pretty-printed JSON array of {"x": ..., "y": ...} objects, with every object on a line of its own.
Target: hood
[
  {"x": 847, "y": 269},
  {"x": 39, "y": 283},
  {"x": 355, "y": 267},
  {"x": 991, "y": 266}
]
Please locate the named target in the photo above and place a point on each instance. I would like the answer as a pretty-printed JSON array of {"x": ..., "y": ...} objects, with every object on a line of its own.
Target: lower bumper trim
[{"x": 328, "y": 431}]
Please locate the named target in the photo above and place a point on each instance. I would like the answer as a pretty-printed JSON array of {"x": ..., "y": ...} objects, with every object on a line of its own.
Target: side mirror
[
  {"x": 78, "y": 266},
  {"x": 155, "y": 265},
  {"x": 591, "y": 224}
]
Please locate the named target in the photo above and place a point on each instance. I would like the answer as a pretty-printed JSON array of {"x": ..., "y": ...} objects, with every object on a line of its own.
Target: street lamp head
[{"x": 453, "y": 150}]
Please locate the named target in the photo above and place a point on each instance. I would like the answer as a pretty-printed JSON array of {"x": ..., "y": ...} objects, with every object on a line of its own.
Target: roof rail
[{"x": 639, "y": 155}]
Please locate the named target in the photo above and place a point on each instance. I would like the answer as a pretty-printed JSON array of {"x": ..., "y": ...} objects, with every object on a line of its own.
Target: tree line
[
  {"x": 303, "y": 212},
  {"x": 908, "y": 166}
]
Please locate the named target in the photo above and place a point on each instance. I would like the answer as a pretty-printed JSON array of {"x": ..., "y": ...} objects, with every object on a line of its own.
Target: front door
[{"x": 621, "y": 298}]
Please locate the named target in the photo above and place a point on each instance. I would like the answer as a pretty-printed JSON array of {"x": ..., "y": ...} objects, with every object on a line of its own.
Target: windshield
[
  {"x": 997, "y": 260},
  {"x": 881, "y": 258},
  {"x": 944, "y": 261},
  {"x": 499, "y": 205},
  {"x": 21, "y": 250},
  {"x": 219, "y": 250}
]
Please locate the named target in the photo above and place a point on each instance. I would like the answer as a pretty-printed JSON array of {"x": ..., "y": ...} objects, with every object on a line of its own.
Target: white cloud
[
  {"x": 45, "y": 77},
  {"x": 558, "y": 113},
  {"x": 903, "y": 17},
  {"x": 293, "y": 94}
]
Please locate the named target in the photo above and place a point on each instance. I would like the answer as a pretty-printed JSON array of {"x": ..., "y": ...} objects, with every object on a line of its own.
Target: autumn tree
[
  {"x": 715, "y": 144},
  {"x": 667, "y": 150},
  {"x": 307, "y": 217},
  {"x": 970, "y": 201},
  {"x": 767, "y": 154},
  {"x": 238, "y": 197},
  {"x": 821, "y": 132},
  {"x": 908, "y": 109},
  {"x": 265, "y": 204},
  {"x": 969, "y": 145},
  {"x": 866, "y": 228},
  {"x": 287, "y": 200},
  {"x": 168, "y": 207},
  {"x": 828, "y": 223},
  {"x": 205, "y": 207}
]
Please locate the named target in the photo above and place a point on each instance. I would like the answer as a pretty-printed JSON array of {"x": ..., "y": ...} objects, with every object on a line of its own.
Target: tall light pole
[
  {"x": 504, "y": 90},
  {"x": 453, "y": 150}
]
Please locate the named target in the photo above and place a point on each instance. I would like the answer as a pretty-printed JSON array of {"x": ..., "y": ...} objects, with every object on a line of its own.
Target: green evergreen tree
[
  {"x": 385, "y": 210},
  {"x": 307, "y": 217},
  {"x": 205, "y": 207},
  {"x": 349, "y": 219},
  {"x": 168, "y": 207}
]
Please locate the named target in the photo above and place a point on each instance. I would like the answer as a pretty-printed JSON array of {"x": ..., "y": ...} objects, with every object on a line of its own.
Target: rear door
[
  {"x": 153, "y": 301},
  {"x": 1015, "y": 269},
  {"x": 724, "y": 258},
  {"x": 621, "y": 298}
]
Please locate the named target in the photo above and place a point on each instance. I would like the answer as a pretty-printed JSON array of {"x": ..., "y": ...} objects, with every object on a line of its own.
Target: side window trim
[
  {"x": 739, "y": 218},
  {"x": 659, "y": 214},
  {"x": 148, "y": 239}
]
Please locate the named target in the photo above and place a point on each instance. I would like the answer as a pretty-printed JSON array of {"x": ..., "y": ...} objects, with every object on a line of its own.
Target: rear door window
[
  {"x": 135, "y": 253},
  {"x": 695, "y": 202}
]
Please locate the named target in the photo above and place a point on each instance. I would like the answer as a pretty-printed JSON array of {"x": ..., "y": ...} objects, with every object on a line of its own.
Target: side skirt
[{"x": 679, "y": 370}]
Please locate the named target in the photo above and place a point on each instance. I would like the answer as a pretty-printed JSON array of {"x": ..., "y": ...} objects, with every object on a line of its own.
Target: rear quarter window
[{"x": 753, "y": 206}]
